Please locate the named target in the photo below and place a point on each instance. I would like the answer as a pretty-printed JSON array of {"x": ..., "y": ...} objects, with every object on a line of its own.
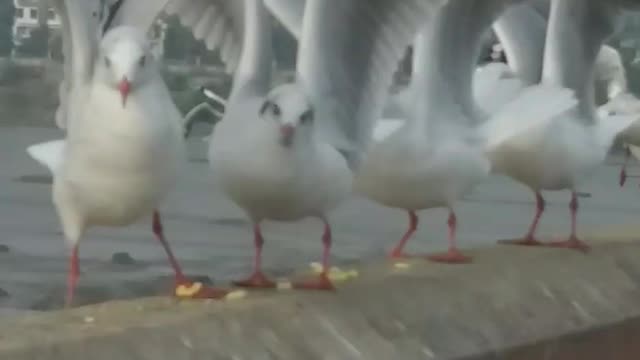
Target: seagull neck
[{"x": 254, "y": 69}]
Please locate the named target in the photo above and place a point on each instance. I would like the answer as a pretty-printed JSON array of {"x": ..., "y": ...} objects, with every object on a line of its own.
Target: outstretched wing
[
  {"x": 219, "y": 23},
  {"x": 289, "y": 13},
  {"x": 575, "y": 34},
  {"x": 80, "y": 31},
  {"x": 347, "y": 54},
  {"x": 521, "y": 31}
]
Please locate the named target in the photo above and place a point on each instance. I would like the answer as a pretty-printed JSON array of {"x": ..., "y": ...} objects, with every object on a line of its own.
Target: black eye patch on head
[
  {"x": 307, "y": 116},
  {"x": 264, "y": 107}
]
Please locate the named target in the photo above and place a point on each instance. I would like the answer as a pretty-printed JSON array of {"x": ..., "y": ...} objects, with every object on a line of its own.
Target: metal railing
[{"x": 190, "y": 118}]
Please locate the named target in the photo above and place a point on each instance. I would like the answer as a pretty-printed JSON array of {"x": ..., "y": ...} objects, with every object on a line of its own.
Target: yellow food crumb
[
  {"x": 284, "y": 285},
  {"x": 401, "y": 265},
  {"x": 236, "y": 295},
  {"x": 187, "y": 291},
  {"x": 334, "y": 273},
  {"x": 316, "y": 267}
]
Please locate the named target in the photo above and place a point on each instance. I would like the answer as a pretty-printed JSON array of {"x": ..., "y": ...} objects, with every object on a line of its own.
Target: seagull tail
[
  {"x": 49, "y": 154},
  {"x": 535, "y": 107},
  {"x": 611, "y": 126}
]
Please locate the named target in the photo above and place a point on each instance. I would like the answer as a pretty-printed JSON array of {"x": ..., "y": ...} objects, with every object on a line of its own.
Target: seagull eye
[
  {"x": 142, "y": 61},
  {"x": 306, "y": 117},
  {"x": 107, "y": 62},
  {"x": 275, "y": 110}
]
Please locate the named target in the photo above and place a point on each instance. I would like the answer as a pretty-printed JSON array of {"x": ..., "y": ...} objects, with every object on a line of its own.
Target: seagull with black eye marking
[{"x": 277, "y": 169}]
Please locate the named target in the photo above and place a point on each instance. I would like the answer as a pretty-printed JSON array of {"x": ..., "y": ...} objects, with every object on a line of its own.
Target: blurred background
[{"x": 31, "y": 58}]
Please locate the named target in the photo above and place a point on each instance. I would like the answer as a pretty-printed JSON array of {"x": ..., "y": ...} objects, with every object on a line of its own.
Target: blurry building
[{"x": 26, "y": 20}]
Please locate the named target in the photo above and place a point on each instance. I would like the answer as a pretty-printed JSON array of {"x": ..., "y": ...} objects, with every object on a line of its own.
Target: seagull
[
  {"x": 124, "y": 146},
  {"x": 611, "y": 75},
  {"x": 287, "y": 153},
  {"x": 447, "y": 144},
  {"x": 560, "y": 156},
  {"x": 611, "y": 89}
]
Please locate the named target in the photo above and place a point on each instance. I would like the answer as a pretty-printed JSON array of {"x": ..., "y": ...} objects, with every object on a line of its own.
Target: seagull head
[
  {"x": 289, "y": 109},
  {"x": 125, "y": 60}
]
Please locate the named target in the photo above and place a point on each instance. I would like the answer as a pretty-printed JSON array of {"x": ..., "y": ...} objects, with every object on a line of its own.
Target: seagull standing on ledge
[
  {"x": 561, "y": 156},
  {"x": 124, "y": 142}
]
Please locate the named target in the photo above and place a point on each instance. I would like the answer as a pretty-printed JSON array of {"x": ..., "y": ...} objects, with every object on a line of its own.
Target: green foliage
[{"x": 7, "y": 13}]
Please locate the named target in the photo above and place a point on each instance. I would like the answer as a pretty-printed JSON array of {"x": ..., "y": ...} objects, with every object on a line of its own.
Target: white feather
[
  {"x": 346, "y": 57},
  {"x": 49, "y": 154},
  {"x": 534, "y": 107}
]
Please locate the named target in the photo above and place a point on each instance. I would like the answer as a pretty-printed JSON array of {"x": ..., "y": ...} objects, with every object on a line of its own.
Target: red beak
[
  {"x": 286, "y": 133},
  {"x": 124, "y": 87}
]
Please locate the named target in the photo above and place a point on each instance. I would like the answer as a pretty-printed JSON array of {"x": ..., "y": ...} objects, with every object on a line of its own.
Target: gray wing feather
[
  {"x": 576, "y": 31},
  {"x": 219, "y": 23},
  {"x": 446, "y": 59},
  {"x": 80, "y": 30},
  {"x": 289, "y": 13},
  {"x": 346, "y": 58},
  {"x": 521, "y": 30}
]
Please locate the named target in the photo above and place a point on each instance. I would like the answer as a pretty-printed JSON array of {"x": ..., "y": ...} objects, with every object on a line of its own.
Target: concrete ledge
[{"x": 512, "y": 303}]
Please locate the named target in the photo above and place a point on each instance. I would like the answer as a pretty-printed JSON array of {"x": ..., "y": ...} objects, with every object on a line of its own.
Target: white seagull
[
  {"x": 562, "y": 155},
  {"x": 611, "y": 78},
  {"x": 448, "y": 143},
  {"x": 612, "y": 95},
  {"x": 124, "y": 146}
]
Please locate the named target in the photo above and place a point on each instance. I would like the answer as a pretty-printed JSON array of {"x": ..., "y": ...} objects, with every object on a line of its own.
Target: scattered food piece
[
  {"x": 188, "y": 291},
  {"x": 284, "y": 285},
  {"x": 316, "y": 267},
  {"x": 401, "y": 265},
  {"x": 236, "y": 295},
  {"x": 335, "y": 273}
]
